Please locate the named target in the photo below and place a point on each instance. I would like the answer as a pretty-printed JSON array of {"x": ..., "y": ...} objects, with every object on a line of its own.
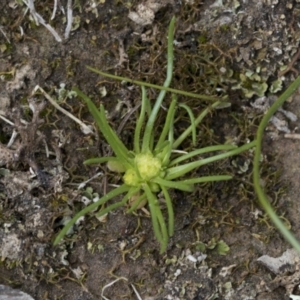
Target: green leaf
[
  {"x": 158, "y": 222},
  {"x": 116, "y": 166},
  {"x": 123, "y": 188},
  {"x": 108, "y": 209},
  {"x": 183, "y": 136},
  {"x": 137, "y": 202},
  {"x": 201, "y": 247},
  {"x": 178, "y": 171},
  {"x": 99, "y": 160},
  {"x": 161, "y": 96},
  {"x": 179, "y": 185},
  {"x": 111, "y": 137},
  {"x": 201, "y": 151},
  {"x": 154, "y": 86},
  {"x": 170, "y": 210},
  {"x": 140, "y": 121},
  {"x": 168, "y": 124},
  {"x": 192, "y": 118},
  {"x": 263, "y": 198},
  {"x": 207, "y": 179},
  {"x": 222, "y": 248}
]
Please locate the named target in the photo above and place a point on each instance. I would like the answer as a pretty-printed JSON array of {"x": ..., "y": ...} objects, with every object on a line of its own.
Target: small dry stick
[
  {"x": 69, "y": 18},
  {"x": 110, "y": 284},
  {"x": 4, "y": 34},
  {"x": 290, "y": 66},
  {"x": 136, "y": 292},
  {"x": 39, "y": 19},
  {"x": 85, "y": 129},
  {"x": 54, "y": 10},
  {"x": 295, "y": 136}
]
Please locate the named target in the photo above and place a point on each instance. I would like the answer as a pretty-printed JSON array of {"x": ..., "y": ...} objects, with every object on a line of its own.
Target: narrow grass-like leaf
[
  {"x": 117, "y": 145},
  {"x": 167, "y": 125},
  {"x": 192, "y": 118},
  {"x": 111, "y": 207},
  {"x": 154, "y": 86},
  {"x": 167, "y": 153},
  {"x": 163, "y": 146},
  {"x": 161, "y": 96},
  {"x": 202, "y": 151},
  {"x": 179, "y": 185},
  {"x": 164, "y": 153},
  {"x": 140, "y": 122},
  {"x": 159, "y": 225},
  {"x": 263, "y": 199},
  {"x": 148, "y": 108},
  {"x": 122, "y": 189},
  {"x": 99, "y": 160},
  {"x": 137, "y": 202},
  {"x": 166, "y": 159},
  {"x": 207, "y": 179},
  {"x": 184, "y": 135},
  {"x": 152, "y": 201},
  {"x": 170, "y": 210},
  {"x": 114, "y": 141},
  {"x": 179, "y": 171}
]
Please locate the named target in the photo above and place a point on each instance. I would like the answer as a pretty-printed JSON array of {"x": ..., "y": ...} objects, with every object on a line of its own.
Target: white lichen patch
[
  {"x": 18, "y": 182},
  {"x": 4, "y": 103},
  {"x": 287, "y": 263},
  {"x": 145, "y": 12},
  {"x": 8, "y": 293},
  {"x": 280, "y": 120},
  {"x": 11, "y": 247},
  {"x": 18, "y": 82},
  {"x": 226, "y": 271},
  {"x": 280, "y": 264},
  {"x": 176, "y": 285}
]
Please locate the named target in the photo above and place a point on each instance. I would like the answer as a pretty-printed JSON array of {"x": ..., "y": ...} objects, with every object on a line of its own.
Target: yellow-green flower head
[
  {"x": 148, "y": 166},
  {"x": 131, "y": 178}
]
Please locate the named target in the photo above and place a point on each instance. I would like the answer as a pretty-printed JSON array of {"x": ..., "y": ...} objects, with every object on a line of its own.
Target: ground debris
[
  {"x": 279, "y": 120},
  {"x": 11, "y": 246},
  {"x": 221, "y": 44},
  {"x": 287, "y": 263},
  {"x": 29, "y": 141},
  {"x": 145, "y": 12},
  {"x": 21, "y": 74},
  {"x": 7, "y": 293}
]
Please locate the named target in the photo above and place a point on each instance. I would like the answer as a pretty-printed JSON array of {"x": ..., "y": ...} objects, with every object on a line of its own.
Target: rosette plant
[{"x": 155, "y": 164}]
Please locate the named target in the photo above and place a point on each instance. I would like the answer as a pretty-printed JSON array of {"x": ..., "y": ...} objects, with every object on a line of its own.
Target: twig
[
  {"x": 6, "y": 120},
  {"x": 290, "y": 66},
  {"x": 110, "y": 284},
  {"x": 295, "y": 136},
  {"x": 83, "y": 184},
  {"x": 4, "y": 34},
  {"x": 136, "y": 292},
  {"x": 39, "y": 19},
  {"x": 12, "y": 139},
  {"x": 54, "y": 10},
  {"x": 85, "y": 129},
  {"x": 69, "y": 18}
]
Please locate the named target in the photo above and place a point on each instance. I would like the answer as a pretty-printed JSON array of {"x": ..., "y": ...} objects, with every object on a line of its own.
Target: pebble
[{"x": 7, "y": 293}]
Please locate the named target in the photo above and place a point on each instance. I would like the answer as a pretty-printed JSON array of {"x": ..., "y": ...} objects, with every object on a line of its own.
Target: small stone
[
  {"x": 10, "y": 247},
  {"x": 7, "y": 293}
]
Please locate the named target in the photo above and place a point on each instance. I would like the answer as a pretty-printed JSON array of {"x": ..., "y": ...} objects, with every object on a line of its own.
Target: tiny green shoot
[{"x": 153, "y": 166}]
